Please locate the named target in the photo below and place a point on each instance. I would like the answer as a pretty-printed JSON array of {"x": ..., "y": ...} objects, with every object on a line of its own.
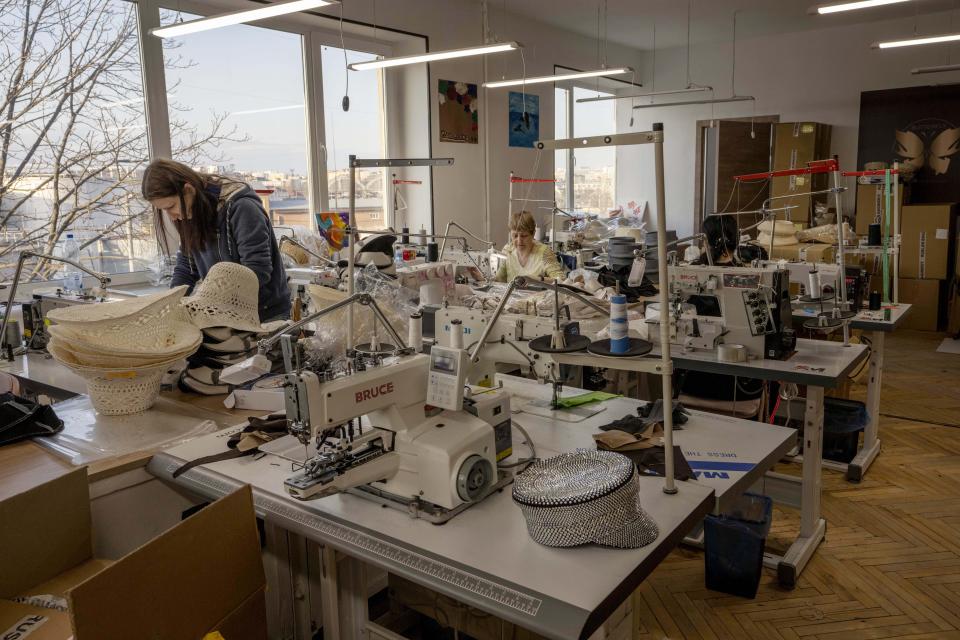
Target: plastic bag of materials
[
  {"x": 397, "y": 304},
  {"x": 313, "y": 241},
  {"x": 827, "y": 234}
]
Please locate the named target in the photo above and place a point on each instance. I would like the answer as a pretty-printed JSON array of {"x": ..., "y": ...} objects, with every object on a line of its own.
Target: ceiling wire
[
  {"x": 688, "y": 45},
  {"x": 345, "y": 103}
]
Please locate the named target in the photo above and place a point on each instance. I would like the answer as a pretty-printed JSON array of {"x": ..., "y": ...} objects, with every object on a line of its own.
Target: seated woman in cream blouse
[{"x": 526, "y": 256}]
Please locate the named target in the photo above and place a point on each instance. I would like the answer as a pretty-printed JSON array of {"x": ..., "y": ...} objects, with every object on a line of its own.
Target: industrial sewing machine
[
  {"x": 396, "y": 428},
  {"x": 508, "y": 342},
  {"x": 712, "y": 306}
]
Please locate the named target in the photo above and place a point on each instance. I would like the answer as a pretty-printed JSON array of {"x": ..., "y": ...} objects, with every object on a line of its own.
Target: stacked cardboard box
[
  {"x": 796, "y": 144},
  {"x": 927, "y": 262},
  {"x": 203, "y": 575},
  {"x": 871, "y": 206}
]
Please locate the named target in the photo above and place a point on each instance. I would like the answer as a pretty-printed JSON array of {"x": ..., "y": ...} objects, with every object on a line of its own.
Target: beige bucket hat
[{"x": 228, "y": 297}]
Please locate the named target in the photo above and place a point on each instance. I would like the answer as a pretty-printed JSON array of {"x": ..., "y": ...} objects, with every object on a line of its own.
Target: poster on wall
[
  {"x": 459, "y": 117},
  {"x": 524, "y": 119},
  {"x": 919, "y": 127}
]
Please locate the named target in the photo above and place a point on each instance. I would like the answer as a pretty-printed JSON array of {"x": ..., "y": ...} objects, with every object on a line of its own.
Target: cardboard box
[
  {"x": 805, "y": 252},
  {"x": 203, "y": 575},
  {"x": 871, "y": 206},
  {"x": 796, "y": 144},
  {"x": 924, "y": 295},
  {"x": 927, "y": 235}
]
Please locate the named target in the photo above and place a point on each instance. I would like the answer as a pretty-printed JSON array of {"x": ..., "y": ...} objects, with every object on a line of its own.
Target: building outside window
[{"x": 594, "y": 172}]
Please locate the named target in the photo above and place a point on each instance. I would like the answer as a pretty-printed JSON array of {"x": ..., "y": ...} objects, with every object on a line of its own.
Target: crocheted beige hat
[{"x": 228, "y": 297}]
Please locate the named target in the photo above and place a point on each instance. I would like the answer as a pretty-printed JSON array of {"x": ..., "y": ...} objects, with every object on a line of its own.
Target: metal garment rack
[
  {"x": 663, "y": 367},
  {"x": 374, "y": 163},
  {"x": 894, "y": 233},
  {"x": 514, "y": 179}
]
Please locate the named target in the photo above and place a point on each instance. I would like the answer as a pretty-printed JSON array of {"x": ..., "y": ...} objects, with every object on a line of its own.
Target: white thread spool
[
  {"x": 619, "y": 341},
  {"x": 456, "y": 334},
  {"x": 813, "y": 283},
  {"x": 415, "y": 332}
]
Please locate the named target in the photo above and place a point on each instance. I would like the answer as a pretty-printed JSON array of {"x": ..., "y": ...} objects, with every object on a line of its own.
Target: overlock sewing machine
[{"x": 712, "y": 306}]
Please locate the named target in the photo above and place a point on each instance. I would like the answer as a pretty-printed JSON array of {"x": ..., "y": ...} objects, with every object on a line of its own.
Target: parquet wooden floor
[{"x": 890, "y": 564}]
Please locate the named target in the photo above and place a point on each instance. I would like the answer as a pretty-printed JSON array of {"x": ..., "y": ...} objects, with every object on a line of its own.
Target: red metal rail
[{"x": 816, "y": 166}]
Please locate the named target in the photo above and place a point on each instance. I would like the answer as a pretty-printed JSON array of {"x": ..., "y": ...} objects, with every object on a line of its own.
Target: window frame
[{"x": 313, "y": 38}]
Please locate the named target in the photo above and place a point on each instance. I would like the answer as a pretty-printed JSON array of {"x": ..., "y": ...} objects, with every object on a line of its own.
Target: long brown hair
[{"x": 166, "y": 178}]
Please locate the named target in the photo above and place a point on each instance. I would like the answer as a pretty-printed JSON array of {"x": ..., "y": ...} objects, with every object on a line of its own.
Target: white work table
[
  {"x": 727, "y": 454},
  {"x": 483, "y": 557},
  {"x": 867, "y": 321},
  {"x": 817, "y": 364}
]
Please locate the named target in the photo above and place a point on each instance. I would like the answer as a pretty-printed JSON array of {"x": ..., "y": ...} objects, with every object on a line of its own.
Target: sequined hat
[{"x": 583, "y": 497}]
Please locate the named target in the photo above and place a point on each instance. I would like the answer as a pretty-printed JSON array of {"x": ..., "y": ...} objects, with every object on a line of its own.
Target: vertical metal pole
[
  {"x": 896, "y": 233},
  {"x": 351, "y": 224},
  {"x": 840, "y": 253},
  {"x": 570, "y": 199},
  {"x": 510, "y": 198},
  {"x": 669, "y": 485},
  {"x": 317, "y": 188}
]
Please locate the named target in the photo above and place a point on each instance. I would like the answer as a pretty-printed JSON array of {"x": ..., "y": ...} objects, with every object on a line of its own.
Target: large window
[
  {"x": 593, "y": 175},
  {"x": 237, "y": 108},
  {"x": 358, "y": 131},
  {"x": 72, "y": 136}
]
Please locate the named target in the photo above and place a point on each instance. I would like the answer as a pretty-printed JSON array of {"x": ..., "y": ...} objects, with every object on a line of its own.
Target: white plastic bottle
[{"x": 72, "y": 277}]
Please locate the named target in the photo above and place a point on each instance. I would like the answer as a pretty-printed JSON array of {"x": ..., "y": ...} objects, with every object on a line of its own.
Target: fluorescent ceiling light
[
  {"x": 238, "y": 17},
  {"x": 616, "y": 71},
  {"x": 852, "y": 6},
  {"x": 917, "y": 71},
  {"x": 913, "y": 42},
  {"x": 436, "y": 55},
  {"x": 646, "y": 95},
  {"x": 680, "y": 104}
]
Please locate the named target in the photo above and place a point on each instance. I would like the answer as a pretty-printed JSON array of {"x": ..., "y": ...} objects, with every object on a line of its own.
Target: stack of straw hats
[
  {"x": 122, "y": 349},
  {"x": 225, "y": 306}
]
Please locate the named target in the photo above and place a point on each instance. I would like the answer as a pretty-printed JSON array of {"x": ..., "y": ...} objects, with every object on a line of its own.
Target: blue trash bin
[{"x": 734, "y": 542}]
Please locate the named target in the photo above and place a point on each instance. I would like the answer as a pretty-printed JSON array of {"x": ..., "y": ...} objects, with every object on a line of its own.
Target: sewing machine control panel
[
  {"x": 446, "y": 378},
  {"x": 757, "y": 311}
]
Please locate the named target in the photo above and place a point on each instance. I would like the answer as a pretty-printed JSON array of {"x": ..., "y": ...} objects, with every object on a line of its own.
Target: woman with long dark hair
[{"x": 218, "y": 219}]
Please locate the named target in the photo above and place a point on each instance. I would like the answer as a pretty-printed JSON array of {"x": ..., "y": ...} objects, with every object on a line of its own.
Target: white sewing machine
[
  {"x": 509, "y": 340},
  {"x": 713, "y": 305},
  {"x": 398, "y": 431},
  {"x": 435, "y": 281}
]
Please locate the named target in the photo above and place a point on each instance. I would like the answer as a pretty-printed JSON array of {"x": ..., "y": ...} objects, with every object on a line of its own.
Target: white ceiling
[{"x": 630, "y": 22}]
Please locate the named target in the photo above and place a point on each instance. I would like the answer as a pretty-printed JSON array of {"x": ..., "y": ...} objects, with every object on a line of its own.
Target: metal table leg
[
  {"x": 871, "y": 435},
  {"x": 812, "y": 525}
]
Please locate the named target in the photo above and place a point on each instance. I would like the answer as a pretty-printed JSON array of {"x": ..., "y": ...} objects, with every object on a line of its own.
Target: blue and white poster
[{"x": 524, "y": 119}]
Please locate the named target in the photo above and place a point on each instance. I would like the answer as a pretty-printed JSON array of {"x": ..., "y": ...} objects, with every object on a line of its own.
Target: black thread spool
[
  {"x": 874, "y": 238},
  {"x": 874, "y": 300},
  {"x": 433, "y": 252}
]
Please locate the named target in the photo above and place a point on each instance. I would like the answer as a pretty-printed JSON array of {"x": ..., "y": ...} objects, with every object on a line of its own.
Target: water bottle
[{"x": 72, "y": 277}]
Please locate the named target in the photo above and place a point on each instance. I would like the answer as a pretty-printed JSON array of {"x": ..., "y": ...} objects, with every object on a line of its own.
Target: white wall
[
  {"x": 474, "y": 191},
  {"x": 811, "y": 76}
]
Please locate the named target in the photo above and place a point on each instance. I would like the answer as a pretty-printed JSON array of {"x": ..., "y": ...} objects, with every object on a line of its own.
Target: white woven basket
[
  {"x": 119, "y": 396},
  {"x": 124, "y": 390}
]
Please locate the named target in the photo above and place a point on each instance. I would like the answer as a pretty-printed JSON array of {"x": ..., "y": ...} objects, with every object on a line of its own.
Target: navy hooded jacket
[{"x": 244, "y": 236}]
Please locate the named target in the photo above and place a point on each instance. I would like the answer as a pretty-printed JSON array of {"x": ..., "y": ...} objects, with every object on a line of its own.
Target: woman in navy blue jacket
[{"x": 218, "y": 219}]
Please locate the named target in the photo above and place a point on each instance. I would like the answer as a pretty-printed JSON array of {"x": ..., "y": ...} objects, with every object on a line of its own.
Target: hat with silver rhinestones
[{"x": 583, "y": 497}]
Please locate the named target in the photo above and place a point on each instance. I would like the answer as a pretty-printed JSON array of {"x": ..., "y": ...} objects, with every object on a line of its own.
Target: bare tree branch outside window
[{"x": 73, "y": 140}]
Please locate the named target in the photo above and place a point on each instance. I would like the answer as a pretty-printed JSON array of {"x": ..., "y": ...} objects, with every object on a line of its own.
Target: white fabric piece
[
  {"x": 783, "y": 227},
  {"x": 228, "y": 297},
  {"x": 763, "y": 239}
]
